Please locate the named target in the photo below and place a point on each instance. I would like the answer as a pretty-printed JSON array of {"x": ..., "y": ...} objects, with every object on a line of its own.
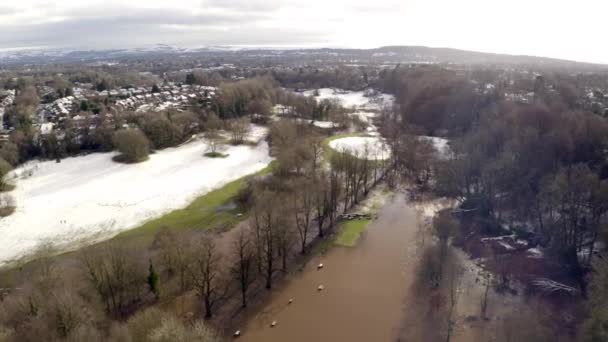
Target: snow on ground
[
  {"x": 506, "y": 246},
  {"x": 365, "y": 103},
  {"x": 440, "y": 144},
  {"x": 324, "y": 124},
  {"x": 256, "y": 133},
  {"x": 365, "y": 116},
  {"x": 90, "y": 198},
  {"x": 320, "y": 124},
  {"x": 356, "y": 99},
  {"x": 376, "y": 147},
  {"x": 535, "y": 253},
  {"x": 347, "y": 98}
]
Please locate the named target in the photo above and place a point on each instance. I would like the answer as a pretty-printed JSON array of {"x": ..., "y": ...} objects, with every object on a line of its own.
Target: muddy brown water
[
  {"x": 368, "y": 294},
  {"x": 363, "y": 288}
]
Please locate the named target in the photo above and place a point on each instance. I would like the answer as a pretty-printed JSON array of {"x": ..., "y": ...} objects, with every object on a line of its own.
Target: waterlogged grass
[
  {"x": 216, "y": 155},
  {"x": 210, "y": 211},
  {"x": 350, "y": 232}
]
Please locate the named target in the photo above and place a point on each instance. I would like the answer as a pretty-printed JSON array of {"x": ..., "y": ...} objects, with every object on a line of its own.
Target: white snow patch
[
  {"x": 375, "y": 146},
  {"x": 535, "y": 253},
  {"x": 256, "y": 133},
  {"x": 497, "y": 238},
  {"x": 91, "y": 197},
  {"x": 320, "y": 124},
  {"x": 440, "y": 144},
  {"x": 324, "y": 124},
  {"x": 506, "y": 245},
  {"x": 357, "y": 99}
]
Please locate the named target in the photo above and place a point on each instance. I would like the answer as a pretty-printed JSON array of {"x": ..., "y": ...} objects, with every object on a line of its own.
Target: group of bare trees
[
  {"x": 540, "y": 167},
  {"x": 542, "y": 162},
  {"x": 539, "y": 163},
  {"x": 302, "y": 196}
]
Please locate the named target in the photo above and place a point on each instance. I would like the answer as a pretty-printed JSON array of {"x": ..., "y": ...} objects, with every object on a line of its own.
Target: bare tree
[
  {"x": 244, "y": 262},
  {"x": 212, "y": 134},
  {"x": 238, "y": 130},
  {"x": 303, "y": 196},
  {"x": 315, "y": 146},
  {"x": 132, "y": 144},
  {"x": 321, "y": 200},
  {"x": 115, "y": 276},
  {"x": 285, "y": 237},
  {"x": 5, "y": 168},
  {"x": 265, "y": 220},
  {"x": 175, "y": 253},
  {"x": 454, "y": 280},
  {"x": 205, "y": 274}
]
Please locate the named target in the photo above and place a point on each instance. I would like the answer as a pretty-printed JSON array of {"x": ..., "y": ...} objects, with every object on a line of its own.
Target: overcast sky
[{"x": 554, "y": 28}]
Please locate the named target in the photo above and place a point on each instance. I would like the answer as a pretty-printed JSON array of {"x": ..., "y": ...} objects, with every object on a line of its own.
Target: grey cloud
[
  {"x": 378, "y": 7},
  {"x": 6, "y": 10},
  {"x": 137, "y": 30},
  {"x": 160, "y": 16},
  {"x": 244, "y": 5},
  {"x": 216, "y": 22}
]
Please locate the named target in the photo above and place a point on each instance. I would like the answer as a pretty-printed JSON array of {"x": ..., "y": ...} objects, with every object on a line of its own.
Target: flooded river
[
  {"x": 363, "y": 290},
  {"x": 370, "y": 293}
]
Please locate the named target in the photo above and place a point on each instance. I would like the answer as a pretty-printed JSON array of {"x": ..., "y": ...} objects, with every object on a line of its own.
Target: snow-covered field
[
  {"x": 373, "y": 147},
  {"x": 355, "y": 99},
  {"x": 90, "y": 198}
]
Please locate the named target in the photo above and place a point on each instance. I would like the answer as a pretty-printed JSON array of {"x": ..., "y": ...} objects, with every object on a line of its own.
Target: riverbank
[{"x": 336, "y": 310}]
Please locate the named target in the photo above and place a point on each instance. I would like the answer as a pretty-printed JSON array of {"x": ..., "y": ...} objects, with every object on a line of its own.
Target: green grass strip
[
  {"x": 205, "y": 212},
  {"x": 350, "y": 232}
]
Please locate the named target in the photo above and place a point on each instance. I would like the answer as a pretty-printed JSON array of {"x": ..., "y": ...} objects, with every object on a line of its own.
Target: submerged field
[{"x": 91, "y": 198}]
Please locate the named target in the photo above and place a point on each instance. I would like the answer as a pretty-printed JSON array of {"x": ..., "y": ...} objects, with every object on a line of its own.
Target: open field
[
  {"x": 328, "y": 150},
  {"x": 215, "y": 209},
  {"x": 91, "y": 198}
]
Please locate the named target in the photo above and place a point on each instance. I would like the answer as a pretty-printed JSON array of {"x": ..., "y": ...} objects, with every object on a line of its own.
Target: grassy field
[
  {"x": 213, "y": 210},
  {"x": 350, "y": 232}
]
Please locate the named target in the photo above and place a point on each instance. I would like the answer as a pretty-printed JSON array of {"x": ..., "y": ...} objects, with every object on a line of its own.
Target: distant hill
[{"x": 383, "y": 55}]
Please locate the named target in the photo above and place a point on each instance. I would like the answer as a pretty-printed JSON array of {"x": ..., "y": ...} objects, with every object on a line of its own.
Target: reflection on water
[{"x": 382, "y": 290}]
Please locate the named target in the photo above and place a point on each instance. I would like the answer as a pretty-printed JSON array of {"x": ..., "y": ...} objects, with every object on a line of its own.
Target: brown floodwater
[
  {"x": 364, "y": 287},
  {"x": 371, "y": 292}
]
